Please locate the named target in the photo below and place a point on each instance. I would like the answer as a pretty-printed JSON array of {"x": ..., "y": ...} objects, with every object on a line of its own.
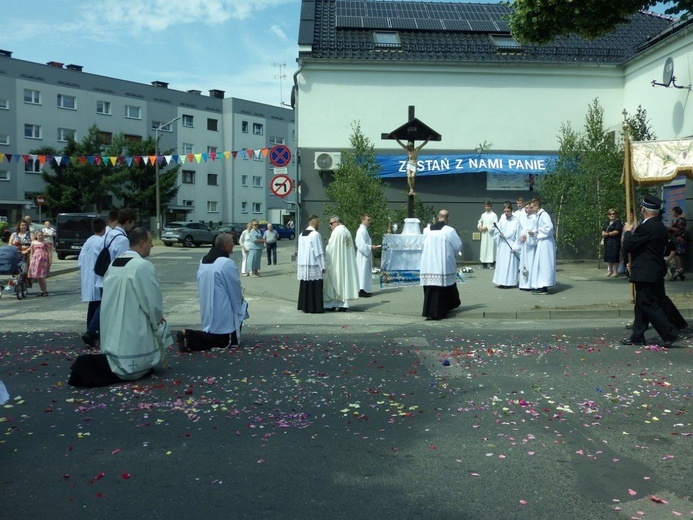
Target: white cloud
[{"x": 276, "y": 30}]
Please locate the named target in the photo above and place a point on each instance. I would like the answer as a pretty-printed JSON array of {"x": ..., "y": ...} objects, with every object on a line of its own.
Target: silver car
[{"x": 187, "y": 233}]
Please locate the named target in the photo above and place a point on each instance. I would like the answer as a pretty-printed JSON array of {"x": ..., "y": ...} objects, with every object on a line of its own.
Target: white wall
[{"x": 514, "y": 108}]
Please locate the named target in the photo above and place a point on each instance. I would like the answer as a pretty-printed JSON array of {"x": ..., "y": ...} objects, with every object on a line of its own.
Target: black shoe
[
  {"x": 182, "y": 345},
  {"x": 89, "y": 339},
  {"x": 669, "y": 343},
  {"x": 540, "y": 291},
  {"x": 364, "y": 294},
  {"x": 629, "y": 341}
]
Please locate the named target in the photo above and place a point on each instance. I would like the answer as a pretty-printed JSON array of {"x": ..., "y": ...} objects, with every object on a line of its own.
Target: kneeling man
[
  {"x": 133, "y": 330},
  {"x": 222, "y": 307}
]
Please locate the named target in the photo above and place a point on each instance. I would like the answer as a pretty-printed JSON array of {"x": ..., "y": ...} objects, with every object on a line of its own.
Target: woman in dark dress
[{"x": 612, "y": 242}]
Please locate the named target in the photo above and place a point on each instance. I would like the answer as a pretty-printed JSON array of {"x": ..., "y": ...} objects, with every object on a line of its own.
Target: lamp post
[{"x": 156, "y": 174}]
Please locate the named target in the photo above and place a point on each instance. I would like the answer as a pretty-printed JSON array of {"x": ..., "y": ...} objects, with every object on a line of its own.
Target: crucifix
[{"x": 412, "y": 131}]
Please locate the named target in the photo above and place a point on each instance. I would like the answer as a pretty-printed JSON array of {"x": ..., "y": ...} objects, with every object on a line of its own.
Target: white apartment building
[{"x": 41, "y": 105}]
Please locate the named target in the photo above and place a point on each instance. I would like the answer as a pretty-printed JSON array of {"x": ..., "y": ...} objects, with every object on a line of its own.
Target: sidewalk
[{"x": 582, "y": 292}]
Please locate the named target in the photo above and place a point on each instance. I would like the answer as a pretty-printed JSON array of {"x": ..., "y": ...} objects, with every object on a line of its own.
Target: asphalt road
[{"x": 374, "y": 416}]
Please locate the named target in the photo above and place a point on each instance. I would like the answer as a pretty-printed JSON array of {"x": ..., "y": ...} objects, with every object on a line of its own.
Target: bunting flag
[{"x": 139, "y": 160}]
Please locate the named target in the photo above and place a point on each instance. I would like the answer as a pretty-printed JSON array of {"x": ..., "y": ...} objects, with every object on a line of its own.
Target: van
[{"x": 71, "y": 232}]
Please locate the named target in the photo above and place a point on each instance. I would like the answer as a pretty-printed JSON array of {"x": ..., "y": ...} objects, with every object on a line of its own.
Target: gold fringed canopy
[{"x": 657, "y": 162}]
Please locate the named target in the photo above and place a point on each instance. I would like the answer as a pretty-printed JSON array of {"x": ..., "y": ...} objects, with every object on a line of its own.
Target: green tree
[
  {"x": 424, "y": 213},
  {"x": 583, "y": 183},
  {"x": 88, "y": 186},
  {"x": 355, "y": 188},
  {"x": 540, "y": 21}
]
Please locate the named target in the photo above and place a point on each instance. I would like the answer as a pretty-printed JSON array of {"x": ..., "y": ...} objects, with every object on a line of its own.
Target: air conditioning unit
[{"x": 328, "y": 161}]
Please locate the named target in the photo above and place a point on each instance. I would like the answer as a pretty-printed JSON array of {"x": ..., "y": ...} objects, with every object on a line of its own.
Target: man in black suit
[{"x": 645, "y": 244}]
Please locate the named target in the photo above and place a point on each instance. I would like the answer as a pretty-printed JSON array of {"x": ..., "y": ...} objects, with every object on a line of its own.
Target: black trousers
[
  {"x": 200, "y": 340},
  {"x": 650, "y": 304},
  {"x": 272, "y": 253}
]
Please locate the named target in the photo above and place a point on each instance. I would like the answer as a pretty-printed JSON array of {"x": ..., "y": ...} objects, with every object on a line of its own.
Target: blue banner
[{"x": 509, "y": 164}]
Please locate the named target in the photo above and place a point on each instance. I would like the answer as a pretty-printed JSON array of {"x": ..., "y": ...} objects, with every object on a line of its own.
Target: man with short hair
[
  {"x": 341, "y": 274},
  {"x": 364, "y": 257},
  {"x": 222, "y": 307},
  {"x": 271, "y": 236},
  {"x": 134, "y": 332},
  {"x": 645, "y": 243},
  {"x": 310, "y": 268},
  {"x": 85, "y": 262},
  {"x": 116, "y": 240},
  {"x": 485, "y": 226},
  {"x": 543, "y": 273},
  {"x": 438, "y": 270}
]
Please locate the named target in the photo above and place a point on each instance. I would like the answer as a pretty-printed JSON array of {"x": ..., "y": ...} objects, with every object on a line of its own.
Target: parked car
[
  {"x": 232, "y": 229},
  {"x": 187, "y": 233},
  {"x": 71, "y": 232},
  {"x": 284, "y": 232}
]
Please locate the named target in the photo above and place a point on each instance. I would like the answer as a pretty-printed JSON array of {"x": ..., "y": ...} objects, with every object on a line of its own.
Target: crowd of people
[{"x": 125, "y": 315}]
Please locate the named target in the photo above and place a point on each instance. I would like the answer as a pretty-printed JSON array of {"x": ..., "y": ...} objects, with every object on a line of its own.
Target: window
[
  {"x": 69, "y": 102},
  {"x": 4, "y": 175},
  {"x": 187, "y": 148},
  {"x": 276, "y": 140},
  {"x": 211, "y": 149},
  {"x": 212, "y": 179},
  {"x": 384, "y": 39},
  {"x": 130, "y": 138},
  {"x": 244, "y": 207},
  {"x": 106, "y": 138},
  {"x": 212, "y": 206},
  {"x": 258, "y": 129},
  {"x": 188, "y": 121},
  {"x": 156, "y": 125},
  {"x": 257, "y": 181},
  {"x": 244, "y": 180},
  {"x": 257, "y": 207},
  {"x": 505, "y": 43},
  {"x": 65, "y": 133},
  {"x": 5, "y": 139},
  {"x": 32, "y": 166},
  {"x": 211, "y": 124},
  {"x": 188, "y": 202},
  {"x": 4, "y": 104},
  {"x": 244, "y": 127},
  {"x": 32, "y": 131},
  {"x": 32, "y": 96},
  {"x": 132, "y": 112},
  {"x": 103, "y": 107},
  {"x": 188, "y": 177}
]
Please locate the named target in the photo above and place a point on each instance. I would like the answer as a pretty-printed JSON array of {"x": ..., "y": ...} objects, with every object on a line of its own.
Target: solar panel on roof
[
  {"x": 456, "y": 25},
  {"x": 482, "y": 26},
  {"x": 403, "y": 23},
  {"x": 429, "y": 24},
  {"x": 373, "y": 22}
]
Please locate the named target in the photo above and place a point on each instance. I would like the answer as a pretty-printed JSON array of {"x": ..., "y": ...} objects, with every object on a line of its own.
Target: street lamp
[{"x": 156, "y": 174}]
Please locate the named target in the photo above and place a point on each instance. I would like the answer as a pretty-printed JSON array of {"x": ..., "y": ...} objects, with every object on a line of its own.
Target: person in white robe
[
  {"x": 134, "y": 333},
  {"x": 85, "y": 262},
  {"x": 341, "y": 273},
  {"x": 116, "y": 239},
  {"x": 222, "y": 307},
  {"x": 310, "y": 268},
  {"x": 507, "y": 237},
  {"x": 520, "y": 215},
  {"x": 438, "y": 269},
  {"x": 544, "y": 264},
  {"x": 487, "y": 245},
  {"x": 364, "y": 257},
  {"x": 528, "y": 239}
]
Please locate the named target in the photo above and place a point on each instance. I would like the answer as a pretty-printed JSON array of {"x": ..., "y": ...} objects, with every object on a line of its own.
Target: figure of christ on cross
[{"x": 412, "y": 158}]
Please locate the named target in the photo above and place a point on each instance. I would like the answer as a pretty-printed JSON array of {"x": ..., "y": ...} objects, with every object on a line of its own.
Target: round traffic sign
[
  {"x": 40, "y": 200},
  {"x": 281, "y": 185},
  {"x": 280, "y": 155}
]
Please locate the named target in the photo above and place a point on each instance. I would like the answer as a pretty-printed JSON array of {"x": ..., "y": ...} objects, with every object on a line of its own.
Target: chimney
[
  {"x": 7, "y": 54},
  {"x": 55, "y": 64},
  {"x": 198, "y": 92},
  {"x": 72, "y": 66},
  {"x": 219, "y": 94},
  {"x": 160, "y": 84}
]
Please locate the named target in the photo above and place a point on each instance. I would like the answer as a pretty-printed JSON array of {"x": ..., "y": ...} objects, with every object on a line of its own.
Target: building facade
[
  {"x": 487, "y": 95},
  {"x": 43, "y": 105}
]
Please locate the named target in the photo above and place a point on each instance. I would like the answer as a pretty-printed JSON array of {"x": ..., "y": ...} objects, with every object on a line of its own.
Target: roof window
[
  {"x": 505, "y": 43},
  {"x": 386, "y": 39}
]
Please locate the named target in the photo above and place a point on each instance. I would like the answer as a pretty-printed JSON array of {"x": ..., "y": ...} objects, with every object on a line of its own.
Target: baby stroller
[{"x": 15, "y": 266}]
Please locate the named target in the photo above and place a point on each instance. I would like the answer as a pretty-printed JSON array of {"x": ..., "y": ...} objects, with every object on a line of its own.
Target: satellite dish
[{"x": 668, "y": 73}]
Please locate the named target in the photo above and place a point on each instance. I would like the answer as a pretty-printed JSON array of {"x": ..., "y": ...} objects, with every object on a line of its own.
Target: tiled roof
[{"x": 452, "y": 32}]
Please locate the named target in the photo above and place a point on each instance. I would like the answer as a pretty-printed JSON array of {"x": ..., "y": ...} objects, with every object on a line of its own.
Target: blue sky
[{"x": 230, "y": 45}]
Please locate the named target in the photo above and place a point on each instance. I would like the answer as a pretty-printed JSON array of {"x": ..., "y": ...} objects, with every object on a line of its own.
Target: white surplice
[
  {"x": 529, "y": 247},
  {"x": 87, "y": 258},
  {"x": 507, "y": 260},
  {"x": 364, "y": 258},
  {"x": 222, "y": 308},
  {"x": 486, "y": 248},
  {"x": 438, "y": 257},
  {"x": 133, "y": 333},
  {"x": 544, "y": 265}
]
